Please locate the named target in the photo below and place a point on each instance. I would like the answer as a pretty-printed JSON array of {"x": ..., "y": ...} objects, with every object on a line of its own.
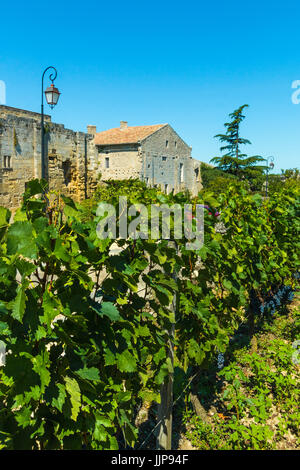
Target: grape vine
[{"x": 86, "y": 326}]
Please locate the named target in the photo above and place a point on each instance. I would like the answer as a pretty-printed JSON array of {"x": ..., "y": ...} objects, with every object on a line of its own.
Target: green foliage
[
  {"x": 81, "y": 348},
  {"x": 86, "y": 329},
  {"x": 288, "y": 179},
  {"x": 258, "y": 395},
  {"x": 213, "y": 178},
  {"x": 235, "y": 162}
]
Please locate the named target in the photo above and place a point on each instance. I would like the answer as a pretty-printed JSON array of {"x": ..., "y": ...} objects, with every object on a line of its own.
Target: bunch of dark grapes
[{"x": 278, "y": 296}]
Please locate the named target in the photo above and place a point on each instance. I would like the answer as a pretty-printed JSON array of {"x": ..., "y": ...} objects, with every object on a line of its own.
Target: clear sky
[{"x": 188, "y": 63}]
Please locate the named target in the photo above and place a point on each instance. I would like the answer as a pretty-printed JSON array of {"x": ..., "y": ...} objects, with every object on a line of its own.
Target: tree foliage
[
  {"x": 214, "y": 178},
  {"x": 234, "y": 161}
]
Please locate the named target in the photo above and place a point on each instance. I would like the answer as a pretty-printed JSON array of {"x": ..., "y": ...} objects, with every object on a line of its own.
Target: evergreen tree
[
  {"x": 212, "y": 176},
  {"x": 234, "y": 161}
]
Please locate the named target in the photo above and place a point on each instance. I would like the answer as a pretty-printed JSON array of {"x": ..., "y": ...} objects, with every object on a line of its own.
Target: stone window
[
  {"x": 181, "y": 172},
  {"x": 166, "y": 188},
  {"x": 7, "y": 162},
  {"x": 175, "y": 143},
  {"x": 66, "y": 165},
  {"x": 164, "y": 159},
  {"x": 106, "y": 162},
  {"x": 197, "y": 174},
  {"x": 167, "y": 143},
  {"x": 149, "y": 164}
]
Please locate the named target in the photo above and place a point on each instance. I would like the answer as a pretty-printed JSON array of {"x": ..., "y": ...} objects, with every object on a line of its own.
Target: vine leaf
[
  {"x": 88, "y": 373},
  {"x": 20, "y": 240},
  {"x": 19, "y": 304},
  {"x": 108, "y": 309},
  {"x": 73, "y": 389},
  {"x": 126, "y": 362}
]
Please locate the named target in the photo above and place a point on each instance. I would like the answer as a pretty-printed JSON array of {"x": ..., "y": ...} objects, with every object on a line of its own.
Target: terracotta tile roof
[{"x": 127, "y": 135}]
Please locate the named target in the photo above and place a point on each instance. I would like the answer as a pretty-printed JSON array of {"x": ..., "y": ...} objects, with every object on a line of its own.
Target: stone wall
[
  {"x": 72, "y": 162},
  {"x": 167, "y": 162},
  {"x": 119, "y": 162},
  {"x": 72, "y": 156}
]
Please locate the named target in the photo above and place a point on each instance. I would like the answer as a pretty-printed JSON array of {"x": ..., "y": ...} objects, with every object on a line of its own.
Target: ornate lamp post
[
  {"x": 52, "y": 96},
  {"x": 270, "y": 165}
]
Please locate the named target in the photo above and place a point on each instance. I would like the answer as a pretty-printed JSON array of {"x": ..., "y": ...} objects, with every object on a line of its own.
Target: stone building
[
  {"x": 71, "y": 156},
  {"x": 155, "y": 154},
  {"x": 77, "y": 161}
]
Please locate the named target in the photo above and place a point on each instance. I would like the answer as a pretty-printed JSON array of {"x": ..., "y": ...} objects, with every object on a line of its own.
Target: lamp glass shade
[{"x": 52, "y": 95}]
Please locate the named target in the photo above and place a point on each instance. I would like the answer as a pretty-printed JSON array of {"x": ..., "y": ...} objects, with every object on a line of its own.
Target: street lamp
[
  {"x": 52, "y": 96},
  {"x": 270, "y": 165}
]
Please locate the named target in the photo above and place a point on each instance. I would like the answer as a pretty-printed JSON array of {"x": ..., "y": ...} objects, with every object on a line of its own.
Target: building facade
[
  {"x": 155, "y": 154},
  {"x": 71, "y": 156},
  {"x": 78, "y": 161}
]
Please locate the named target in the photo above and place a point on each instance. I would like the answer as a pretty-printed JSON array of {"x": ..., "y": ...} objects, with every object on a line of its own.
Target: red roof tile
[{"x": 127, "y": 135}]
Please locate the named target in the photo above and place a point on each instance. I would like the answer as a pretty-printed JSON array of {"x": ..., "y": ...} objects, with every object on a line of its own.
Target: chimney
[
  {"x": 123, "y": 124},
  {"x": 92, "y": 130}
]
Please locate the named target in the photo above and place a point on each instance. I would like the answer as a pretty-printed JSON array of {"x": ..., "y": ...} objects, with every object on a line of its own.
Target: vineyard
[{"x": 92, "y": 327}]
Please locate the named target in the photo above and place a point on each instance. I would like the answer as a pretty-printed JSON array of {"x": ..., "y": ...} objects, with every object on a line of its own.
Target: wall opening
[
  {"x": 7, "y": 162},
  {"x": 67, "y": 169},
  {"x": 181, "y": 172}
]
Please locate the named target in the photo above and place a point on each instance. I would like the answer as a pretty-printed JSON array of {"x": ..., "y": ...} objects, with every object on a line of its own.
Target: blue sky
[{"x": 186, "y": 63}]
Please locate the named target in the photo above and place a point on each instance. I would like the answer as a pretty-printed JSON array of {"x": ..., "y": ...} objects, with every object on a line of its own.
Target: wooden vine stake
[{"x": 165, "y": 408}]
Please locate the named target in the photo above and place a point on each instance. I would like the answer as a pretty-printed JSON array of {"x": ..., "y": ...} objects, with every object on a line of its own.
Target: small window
[
  {"x": 149, "y": 164},
  {"x": 164, "y": 159},
  {"x": 67, "y": 171},
  {"x": 167, "y": 143},
  {"x": 107, "y": 162},
  {"x": 7, "y": 162},
  {"x": 166, "y": 188},
  {"x": 181, "y": 172},
  {"x": 175, "y": 143}
]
